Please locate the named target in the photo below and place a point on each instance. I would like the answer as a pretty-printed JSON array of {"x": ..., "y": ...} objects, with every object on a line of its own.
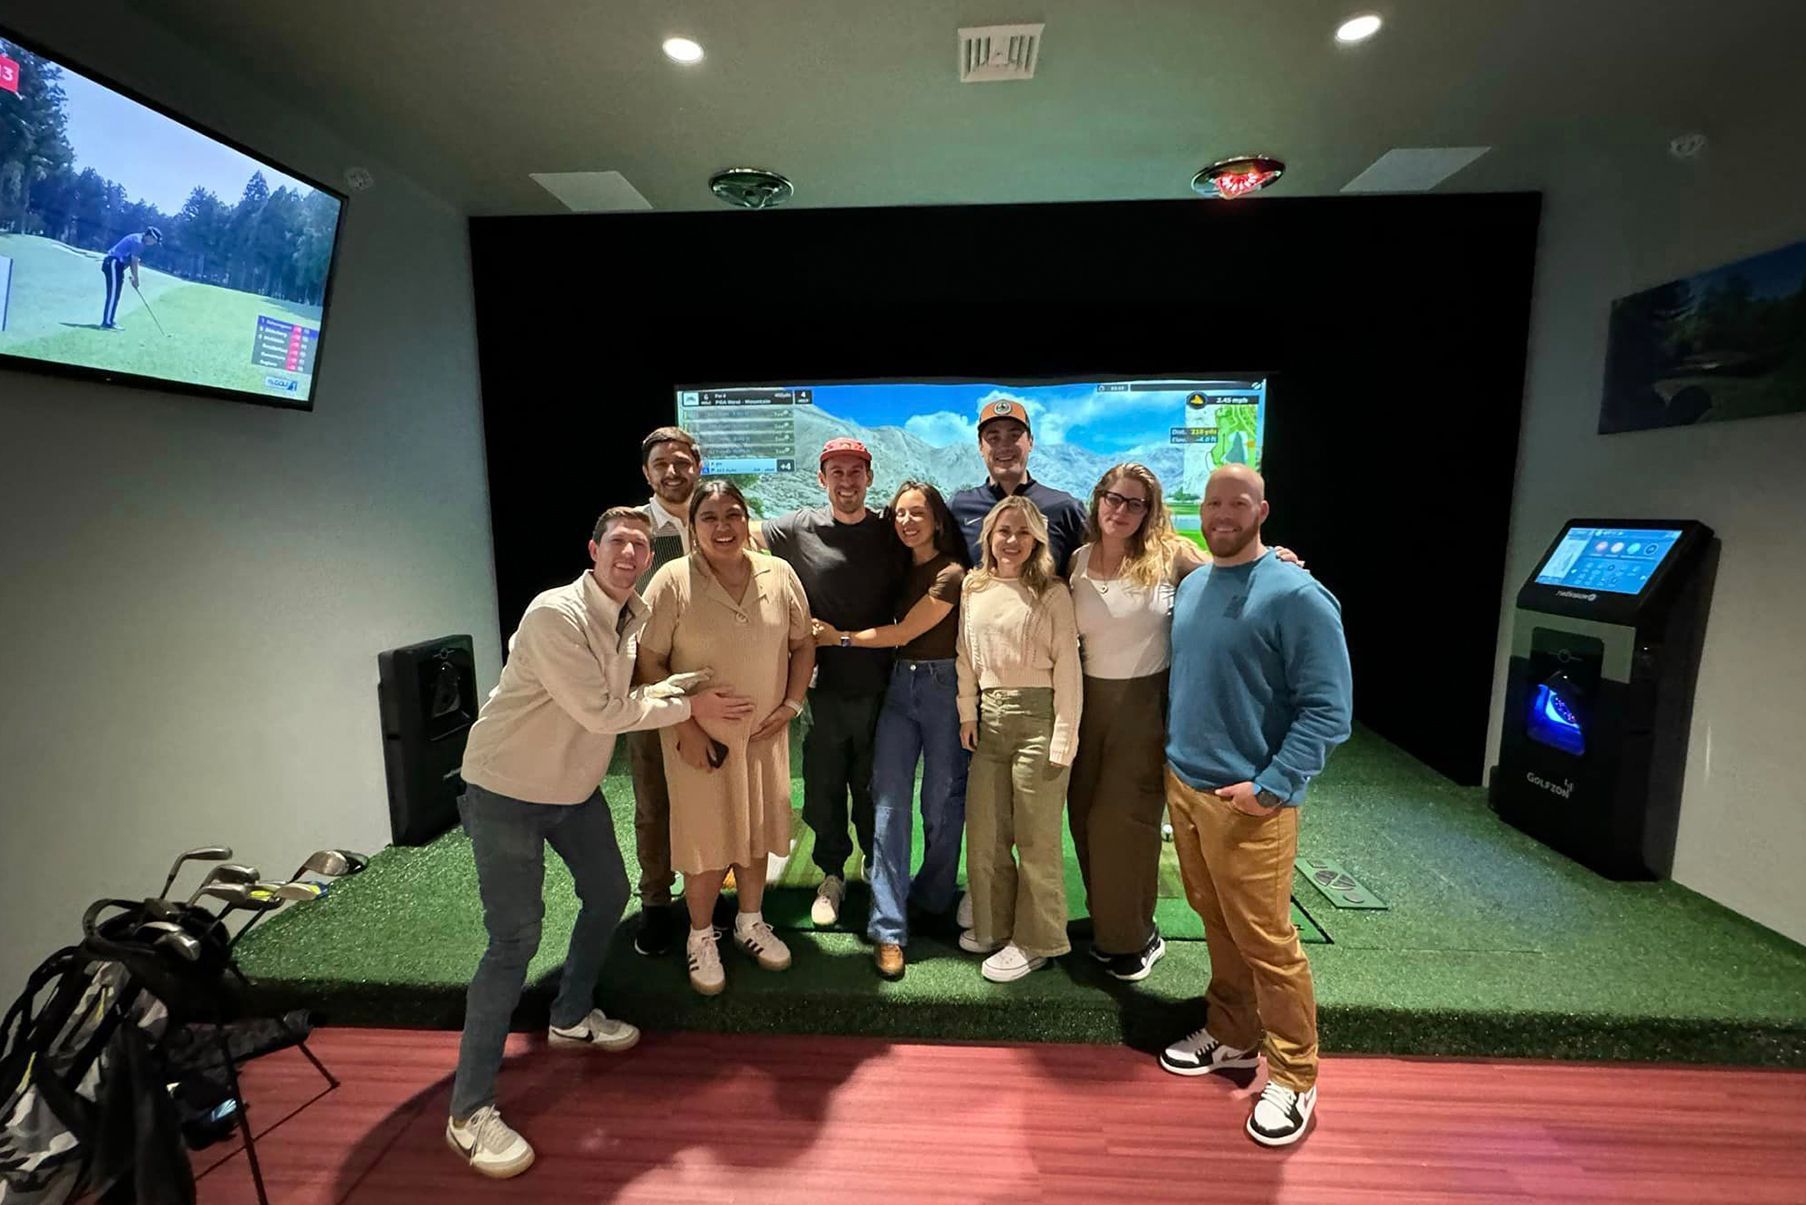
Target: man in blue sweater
[{"x": 1260, "y": 694}]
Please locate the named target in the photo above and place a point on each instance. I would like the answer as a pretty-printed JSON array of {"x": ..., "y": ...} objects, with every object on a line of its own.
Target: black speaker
[{"x": 427, "y": 694}]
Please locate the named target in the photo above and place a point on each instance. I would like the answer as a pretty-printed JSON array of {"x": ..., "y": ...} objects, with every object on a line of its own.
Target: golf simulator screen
[
  {"x": 768, "y": 437},
  {"x": 137, "y": 248},
  {"x": 1618, "y": 560}
]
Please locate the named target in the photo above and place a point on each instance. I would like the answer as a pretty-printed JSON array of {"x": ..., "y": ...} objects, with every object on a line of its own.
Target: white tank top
[{"x": 1125, "y": 629}]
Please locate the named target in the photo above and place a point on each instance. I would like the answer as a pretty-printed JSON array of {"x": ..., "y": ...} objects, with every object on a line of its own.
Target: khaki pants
[
  {"x": 1014, "y": 801},
  {"x": 1238, "y": 877},
  {"x": 651, "y": 817},
  {"x": 1115, "y": 804}
]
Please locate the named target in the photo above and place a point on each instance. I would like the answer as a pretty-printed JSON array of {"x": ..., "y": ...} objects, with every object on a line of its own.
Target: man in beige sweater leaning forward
[{"x": 539, "y": 748}]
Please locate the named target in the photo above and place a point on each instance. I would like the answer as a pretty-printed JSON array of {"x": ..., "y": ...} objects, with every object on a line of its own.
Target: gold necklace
[{"x": 1103, "y": 584}]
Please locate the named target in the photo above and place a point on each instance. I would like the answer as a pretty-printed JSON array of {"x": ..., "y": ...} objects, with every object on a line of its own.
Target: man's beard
[
  {"x": 1231, "y": 544},
  {"x": 678, "y": 494}
]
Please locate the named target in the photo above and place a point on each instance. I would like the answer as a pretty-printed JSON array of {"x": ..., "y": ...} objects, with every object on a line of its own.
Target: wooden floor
[{"x": 720, "y": 1118}]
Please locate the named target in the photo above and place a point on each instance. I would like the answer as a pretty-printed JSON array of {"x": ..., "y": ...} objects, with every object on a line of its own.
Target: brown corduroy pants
[{"x": 1238, "y": 876}]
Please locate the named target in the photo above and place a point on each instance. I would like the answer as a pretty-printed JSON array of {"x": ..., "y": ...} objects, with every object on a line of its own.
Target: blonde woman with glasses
[
  {"x": 1019, "y": 695},
  {"x": 1123, "y": 580}
]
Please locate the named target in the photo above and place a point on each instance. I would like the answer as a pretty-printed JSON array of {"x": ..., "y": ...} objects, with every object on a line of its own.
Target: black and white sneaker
[
  {"x": 1200, "y": 1054},
  {"x": 1280, "y": 1115},
  {"x": 1134, "y": 967}
]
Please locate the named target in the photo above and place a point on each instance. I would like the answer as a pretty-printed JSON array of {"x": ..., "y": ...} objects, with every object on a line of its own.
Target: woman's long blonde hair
[
  {"x": 1152, "y": 546},
  {"x": 1038, "y": 570}
]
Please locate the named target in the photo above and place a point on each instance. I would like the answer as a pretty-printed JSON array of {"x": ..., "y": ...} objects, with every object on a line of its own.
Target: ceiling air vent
[{"x": 999, "y": 52}]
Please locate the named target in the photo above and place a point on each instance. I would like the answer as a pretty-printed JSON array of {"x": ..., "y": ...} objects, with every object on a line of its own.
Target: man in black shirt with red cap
[{"x": 849, "y": 564}]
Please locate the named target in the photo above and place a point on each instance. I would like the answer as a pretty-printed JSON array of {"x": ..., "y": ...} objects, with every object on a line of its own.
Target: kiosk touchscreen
[{"x": 1605, "y": 649}]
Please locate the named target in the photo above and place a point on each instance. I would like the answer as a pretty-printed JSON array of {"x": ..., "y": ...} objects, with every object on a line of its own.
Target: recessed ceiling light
[
  {"x": 683, "y": 50},
  {"x": 1355, "y": 29}
]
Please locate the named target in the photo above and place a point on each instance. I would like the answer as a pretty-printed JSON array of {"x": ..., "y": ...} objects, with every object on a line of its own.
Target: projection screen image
[{"x": 767, "y": 437}]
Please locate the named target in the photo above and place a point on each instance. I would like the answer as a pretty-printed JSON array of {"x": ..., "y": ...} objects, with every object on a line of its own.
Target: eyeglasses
[{"x": 1134, "y": 506}]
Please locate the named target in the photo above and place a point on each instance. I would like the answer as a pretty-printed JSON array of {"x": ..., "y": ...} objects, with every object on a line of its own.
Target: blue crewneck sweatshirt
[{"x": 1261, "y": 689}]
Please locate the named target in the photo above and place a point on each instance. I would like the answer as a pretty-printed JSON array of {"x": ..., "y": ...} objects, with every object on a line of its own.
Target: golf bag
[{"x": 85, "y": 1105}]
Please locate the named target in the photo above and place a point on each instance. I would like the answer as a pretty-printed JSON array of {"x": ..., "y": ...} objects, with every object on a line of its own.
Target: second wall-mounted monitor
[{"x": 138, "y": 248}]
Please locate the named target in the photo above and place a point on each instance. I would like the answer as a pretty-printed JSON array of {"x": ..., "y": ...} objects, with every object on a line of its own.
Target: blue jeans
[
  {"x": 920, "y": 719},
  {"x": 509, "y": 838}
]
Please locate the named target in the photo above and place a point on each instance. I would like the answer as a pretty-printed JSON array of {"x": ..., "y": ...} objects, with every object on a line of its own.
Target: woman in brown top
[
  {"x": 743, "y": 616},
  {"x": 919, "y": 723}
]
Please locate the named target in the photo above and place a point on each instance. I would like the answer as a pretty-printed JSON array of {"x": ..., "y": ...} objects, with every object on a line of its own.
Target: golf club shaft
[{"x": 151, "y": 312}]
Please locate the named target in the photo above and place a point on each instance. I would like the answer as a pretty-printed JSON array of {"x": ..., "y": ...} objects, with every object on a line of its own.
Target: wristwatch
[
  {"x": 846, "y": 640},
  {"x": 1268, "y": 799}
]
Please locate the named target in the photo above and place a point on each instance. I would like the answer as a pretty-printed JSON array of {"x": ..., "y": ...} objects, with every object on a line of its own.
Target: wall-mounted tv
[{"x": 138, "y": 248}]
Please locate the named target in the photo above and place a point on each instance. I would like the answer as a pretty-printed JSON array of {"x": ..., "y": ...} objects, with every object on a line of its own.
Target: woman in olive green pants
[{"x": 1019, "y": 699}]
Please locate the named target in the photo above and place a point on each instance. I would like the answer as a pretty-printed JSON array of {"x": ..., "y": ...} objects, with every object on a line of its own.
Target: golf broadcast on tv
[{"x": 135, "y": 246}]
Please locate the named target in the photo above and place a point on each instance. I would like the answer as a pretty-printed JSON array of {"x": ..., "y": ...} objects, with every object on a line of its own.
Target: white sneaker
[
  {"x": 826, "y": 908},
  {"x": 706, "y": 975},
  {"x": 963, "y": 917},
  {"x": 1010, "y": 964},
  {"x": 595, "y": 1030},
  {"x": 968, "y": 941},
  {"x": 489, "y": 1144},
  {"x": 1280, "y": 1115},
  {"x": 756, "y": 938},
  {"x": 1199, "y": 1054}
]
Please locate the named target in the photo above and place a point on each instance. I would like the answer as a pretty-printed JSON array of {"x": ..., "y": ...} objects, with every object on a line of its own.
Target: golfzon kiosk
[{"x": 1605, "y": 649}]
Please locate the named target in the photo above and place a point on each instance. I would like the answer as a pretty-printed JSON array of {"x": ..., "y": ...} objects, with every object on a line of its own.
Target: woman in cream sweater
[{"x": 1019, "y": 696}]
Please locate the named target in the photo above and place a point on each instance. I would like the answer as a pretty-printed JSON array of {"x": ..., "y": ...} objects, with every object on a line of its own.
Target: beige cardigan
[
  {"x": 1008, "y": 639},
  {"x": 547, "y": 731}
]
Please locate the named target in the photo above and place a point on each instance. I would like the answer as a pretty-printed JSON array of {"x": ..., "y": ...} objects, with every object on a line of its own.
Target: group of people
[{"x": 1043, "y": 661}]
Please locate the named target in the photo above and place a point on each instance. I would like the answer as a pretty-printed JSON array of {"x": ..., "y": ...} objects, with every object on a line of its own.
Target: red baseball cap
[
  {"x": 1003, "y": 407},
  {"x": 844, "y": 445}
]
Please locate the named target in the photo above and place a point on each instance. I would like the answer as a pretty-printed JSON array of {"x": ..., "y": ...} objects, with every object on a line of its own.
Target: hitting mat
[
  {"x": 1490, "y": 944},
  {"x": 791, "y": 888}
]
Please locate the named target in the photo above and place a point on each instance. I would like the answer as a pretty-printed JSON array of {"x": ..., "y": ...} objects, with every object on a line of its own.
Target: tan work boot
[{"x": 889, "y": 957}]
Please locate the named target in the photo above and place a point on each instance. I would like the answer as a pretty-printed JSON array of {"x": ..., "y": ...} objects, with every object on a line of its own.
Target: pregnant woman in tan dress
[{"x": 742, "y": 615}]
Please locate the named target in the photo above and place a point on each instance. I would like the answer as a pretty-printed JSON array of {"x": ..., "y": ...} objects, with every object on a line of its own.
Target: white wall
[
  {"x": 193, "y": 592},
  {"x": 1610, "y": 231}
]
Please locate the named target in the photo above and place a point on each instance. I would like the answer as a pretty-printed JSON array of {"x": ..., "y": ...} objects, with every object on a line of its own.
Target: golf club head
[
  {"x": 200, "y": 853},
  {"x": 234, "y": 895},
  {"x": 332, "y": 863},
  {"x": 182, "y": 945},
  {"x": 226, "y": 872}
]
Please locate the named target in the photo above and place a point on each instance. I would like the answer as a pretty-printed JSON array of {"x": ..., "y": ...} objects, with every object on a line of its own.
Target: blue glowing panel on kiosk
[
  {"x": 1615, "y": 559},
  {"x": 1553, "y": 723}
]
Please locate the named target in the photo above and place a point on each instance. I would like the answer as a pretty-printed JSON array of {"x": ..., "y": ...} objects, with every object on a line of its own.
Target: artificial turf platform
[{"x": 1492, "y": 944}]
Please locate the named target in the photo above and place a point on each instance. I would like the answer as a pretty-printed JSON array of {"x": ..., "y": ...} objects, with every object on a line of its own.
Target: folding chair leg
[
  {"x": 318, "y": 1065},
  {"x": 244, "y": 1118}
]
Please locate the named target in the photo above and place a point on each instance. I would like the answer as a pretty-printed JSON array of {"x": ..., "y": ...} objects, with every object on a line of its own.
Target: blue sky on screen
[
  {"x": 153, "y": 157},
  {"x": 946, "y": 414},
  {"x": 1772, "y": 274}
]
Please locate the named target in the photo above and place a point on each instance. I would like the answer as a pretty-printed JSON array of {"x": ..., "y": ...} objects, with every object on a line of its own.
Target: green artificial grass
[
  {"x": 1174, "y": 916},
  {"x": 1493, "y": 944}
]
